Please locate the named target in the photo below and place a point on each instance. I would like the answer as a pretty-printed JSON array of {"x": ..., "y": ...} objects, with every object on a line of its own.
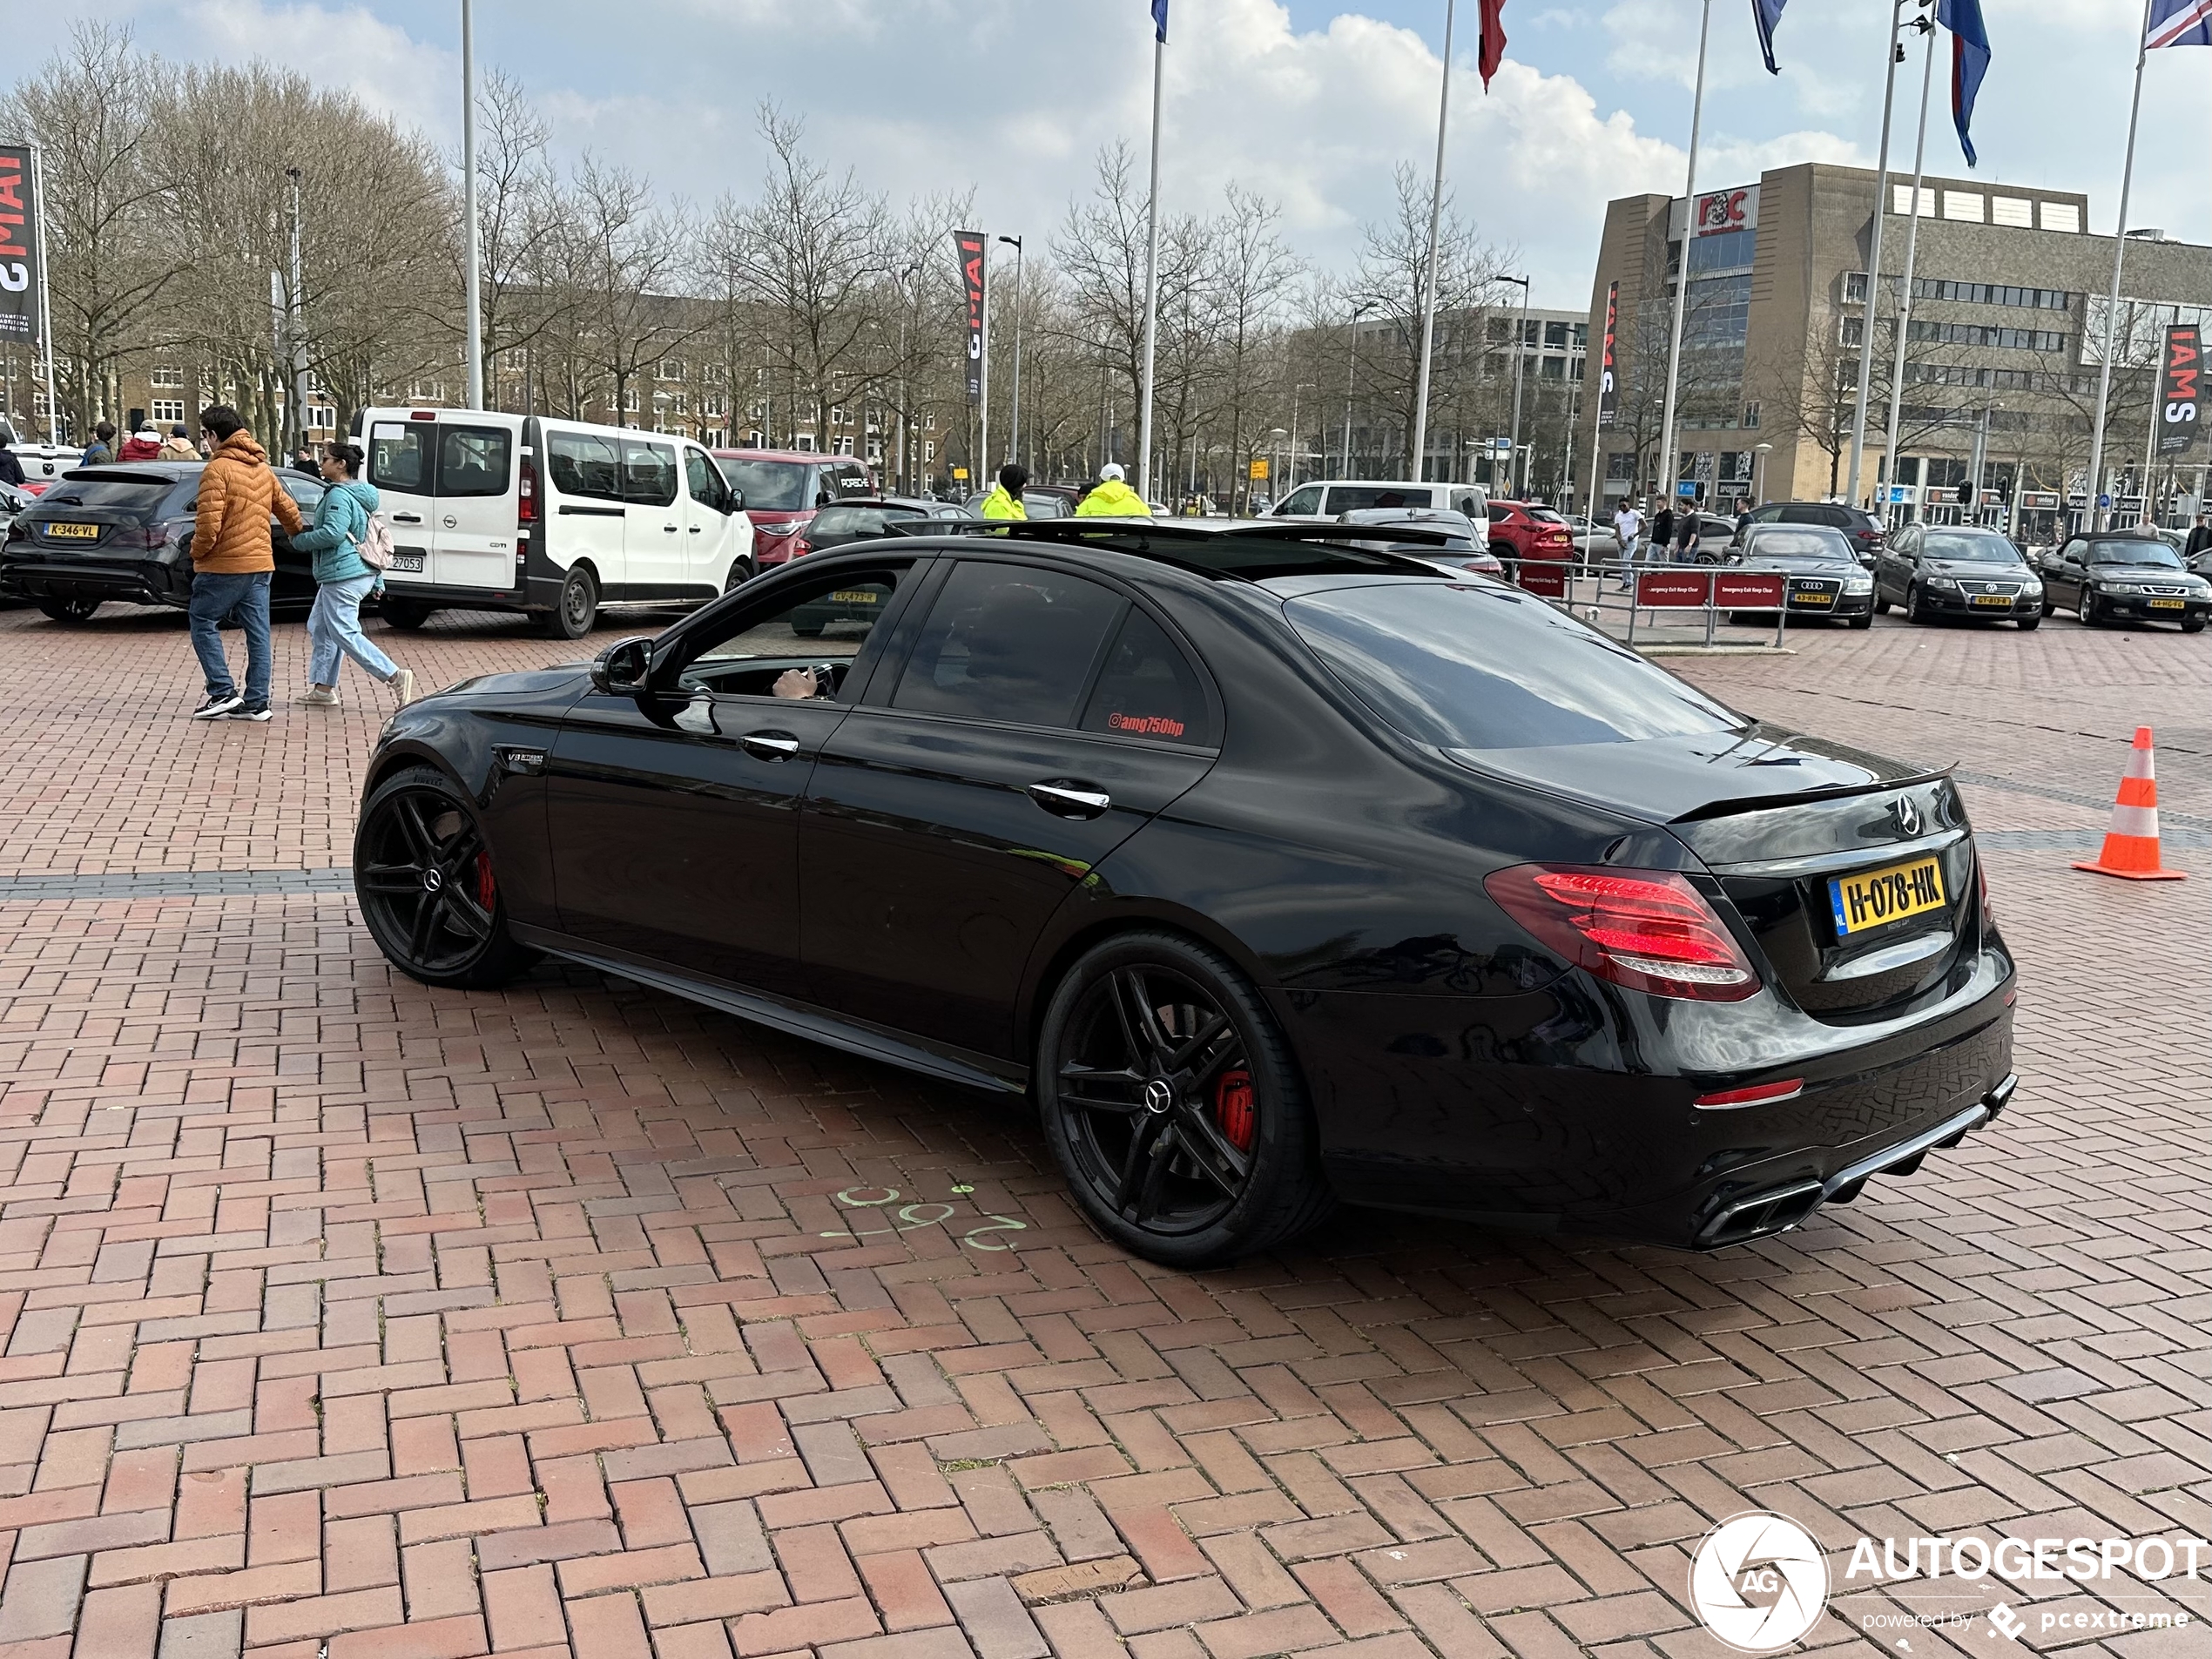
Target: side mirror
[
  {"x": 621, "y": 670},
  {"x": 737, "y": 499}
]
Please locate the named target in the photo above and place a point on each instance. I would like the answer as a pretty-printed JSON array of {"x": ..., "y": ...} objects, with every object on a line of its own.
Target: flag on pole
[
  {"x": 2179, "y": 22},
  {"x": 1764, "y": 15},
  {"x": 1969, "y": 63},
  {"x": 1160, "y": 21},
  {"x": 1490, "y": 44}
]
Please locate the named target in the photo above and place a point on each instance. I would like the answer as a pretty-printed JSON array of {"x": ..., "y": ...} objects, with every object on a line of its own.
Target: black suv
[{"x": 1861, "y": 527}]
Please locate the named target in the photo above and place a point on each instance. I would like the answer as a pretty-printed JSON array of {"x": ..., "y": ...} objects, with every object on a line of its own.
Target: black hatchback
[
  {"x": 1272, "y": 871},
  {"x": 124, "y": 532}
]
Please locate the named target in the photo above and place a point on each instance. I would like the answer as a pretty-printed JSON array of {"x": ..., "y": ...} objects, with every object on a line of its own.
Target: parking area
[{"x": 578, "y": 1319}]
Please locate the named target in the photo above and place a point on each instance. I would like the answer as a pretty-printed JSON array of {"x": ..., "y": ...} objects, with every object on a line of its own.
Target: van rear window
[{"x": 398, "y": 456}]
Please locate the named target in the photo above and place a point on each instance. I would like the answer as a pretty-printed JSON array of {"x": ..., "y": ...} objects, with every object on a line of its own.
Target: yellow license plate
[
  {"x": 2166, "y": 604},
  {"x": 74, "y": 532},
  {"x": 855, "y": 597},
  {"x": 2004, "y": 599},
  {"x": 1880, "y": 897},
  {"x": 1812, "y": 598}
]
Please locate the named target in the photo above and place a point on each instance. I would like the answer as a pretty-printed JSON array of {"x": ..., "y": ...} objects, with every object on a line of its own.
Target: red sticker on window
[{"x": 1150, "y": 725}]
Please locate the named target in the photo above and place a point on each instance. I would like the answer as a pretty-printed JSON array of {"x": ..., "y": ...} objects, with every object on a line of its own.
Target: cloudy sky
[{"x": 1312, "y": 102}]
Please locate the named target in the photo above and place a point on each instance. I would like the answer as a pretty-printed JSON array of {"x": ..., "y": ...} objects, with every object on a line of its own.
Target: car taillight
[
  {"x": 140, "y": 535},
  {"x": 800, "y": 547},
  {"x": 1757, "y": 1094},
  {"x": 526, "y": 503},
  {"x": 1649, "y": 930},
  {"x": 1981, "y": 888}
]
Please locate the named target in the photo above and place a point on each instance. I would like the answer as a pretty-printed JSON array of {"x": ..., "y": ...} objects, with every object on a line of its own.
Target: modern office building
[{"x": 2004, "y": 341}]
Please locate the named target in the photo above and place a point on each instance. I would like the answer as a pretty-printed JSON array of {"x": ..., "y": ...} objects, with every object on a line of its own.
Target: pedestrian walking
[
  {"x": 145, "y": 444},
  {"x": 1662, "y": 533},
  {"x": 2200, "y": 538},
  {"x": 11, "y": 463},
  {"x": 178, "y": 447},
  {"x": 1111, "y": 497},
  {"x": 1687, "y": 536},
  {"x": 1628, "y": 525},
  {"x": 101, "y": 450},
  {"x": 232, "y": 559},
  {"x": 1005, "y": 499},
  {"x": 342, "y": 581}
]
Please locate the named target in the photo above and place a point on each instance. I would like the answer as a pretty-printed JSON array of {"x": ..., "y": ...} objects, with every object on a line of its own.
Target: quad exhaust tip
[{"x": 1762, "y": 1214}]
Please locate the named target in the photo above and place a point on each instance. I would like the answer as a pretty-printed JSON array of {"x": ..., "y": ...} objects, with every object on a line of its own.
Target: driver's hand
[{"x": 797, "y": 682}]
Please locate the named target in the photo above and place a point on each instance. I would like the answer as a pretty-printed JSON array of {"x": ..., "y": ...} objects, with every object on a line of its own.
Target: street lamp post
[
  {"x": 295, "y": 322},
  {"x": 905, "y": 277},
  {"x": 1520, "y": 347},
  {"x": 471, "y": 237},
  {"x": 1014, "y": 438},
  {"x": 1350, "y": 372},
  {"x": 1759, "y": 453}
]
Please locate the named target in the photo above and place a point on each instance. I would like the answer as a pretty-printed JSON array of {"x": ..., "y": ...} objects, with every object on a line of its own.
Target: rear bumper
[
  {"x": 438, "y": 596},
  {"x": 143, "y": 582}
]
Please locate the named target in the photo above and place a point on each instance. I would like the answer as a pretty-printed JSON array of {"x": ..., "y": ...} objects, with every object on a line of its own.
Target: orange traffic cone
[{"x": 2131, "y": 845}]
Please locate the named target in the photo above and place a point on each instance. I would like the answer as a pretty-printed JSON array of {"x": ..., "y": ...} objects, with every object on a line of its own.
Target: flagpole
[
  {"x": 1905, "y": 287},
  {"x": 1681, "y": 275},
  {"x": 1874, "y": 257},
  {"x": 1152, "y": 281},
  {"x": 1428, "y": 290},
  {"x": 2096, "y": 518}
]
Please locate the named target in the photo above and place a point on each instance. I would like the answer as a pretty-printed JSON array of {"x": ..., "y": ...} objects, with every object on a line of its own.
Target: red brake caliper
[
  {"x": 487, "y": 889},
  {"x": 1235, "y": 1110}
]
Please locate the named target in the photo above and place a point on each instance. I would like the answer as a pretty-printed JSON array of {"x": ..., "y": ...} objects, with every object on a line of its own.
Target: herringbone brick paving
[{"x": 346, "y": 1317}]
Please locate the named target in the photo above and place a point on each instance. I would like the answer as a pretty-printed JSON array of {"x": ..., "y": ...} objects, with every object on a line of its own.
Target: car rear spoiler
[{"x": 1807, "y": 797}]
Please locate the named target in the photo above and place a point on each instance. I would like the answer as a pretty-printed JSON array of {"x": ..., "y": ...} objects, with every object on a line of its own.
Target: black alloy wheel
[
  {"x": 423, "y": 874},
  {"x": 740, "y": 573},
  {"x": 1881, "y": 604},
  {"x": 74, "y": 608},
  {"x": 1173, "y": 1105},
  {"x": 2086, "y": 607},
  {"x": 1914, "y": 610},
  {"x": 577, "y": 609}
]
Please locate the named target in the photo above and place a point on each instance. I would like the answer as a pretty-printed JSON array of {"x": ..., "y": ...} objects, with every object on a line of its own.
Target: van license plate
[
  {"x": 408, "y": 562},
  {"x": 73, "y": 532},
  {"x": 1879, "y": 897}
]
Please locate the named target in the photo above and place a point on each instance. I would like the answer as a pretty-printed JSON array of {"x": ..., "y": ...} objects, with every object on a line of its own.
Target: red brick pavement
[{"x": 346, "y": 1319}]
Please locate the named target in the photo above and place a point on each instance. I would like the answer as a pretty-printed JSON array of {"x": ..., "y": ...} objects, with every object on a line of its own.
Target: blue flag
[
  {"x": 2179, "y": 22},
  {"x": 1969, "y": 63},
  {"x": 1160, "y": 21},
  {"x": 1764, "y": 15}
]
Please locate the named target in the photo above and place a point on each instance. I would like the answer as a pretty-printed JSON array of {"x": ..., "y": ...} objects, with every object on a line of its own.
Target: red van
[{"x": 782, "y": 488}]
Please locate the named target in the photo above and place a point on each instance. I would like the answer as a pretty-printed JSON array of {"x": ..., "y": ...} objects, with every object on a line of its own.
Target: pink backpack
[{"x": 375, "y": 548}]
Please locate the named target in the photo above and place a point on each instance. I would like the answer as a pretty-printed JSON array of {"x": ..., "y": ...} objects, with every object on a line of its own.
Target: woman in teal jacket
[{"x": 342, "y": 581}]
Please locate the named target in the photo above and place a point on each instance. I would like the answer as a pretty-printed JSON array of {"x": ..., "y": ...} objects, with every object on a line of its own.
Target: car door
[
  {"x": 653, "y": 534},
  {"x": 474, "y": 532},
  {"x": 2062, "y": 586},
  {"x": 1039, "y": 719},
  {"x": 293, "y": 580},
  {"x": 402, "y": 459},
  {"x": 584, "y": 514},
  {"x": 1893, "y": 564},
  {"x": 674, "y": 814},
  {"x": 711, "y": 525}
]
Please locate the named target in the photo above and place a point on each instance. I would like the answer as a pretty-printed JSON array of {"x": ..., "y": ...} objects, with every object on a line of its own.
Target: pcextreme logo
[{"x": 1759, "y": 1582}]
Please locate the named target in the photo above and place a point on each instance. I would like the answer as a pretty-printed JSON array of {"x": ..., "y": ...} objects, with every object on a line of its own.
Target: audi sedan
[
  {"x": 2123, "y": 577},
  {"x": 1823, "y": 574},
  {"x": 1272, "y": 871},
  {"x": 1934, "y": 570}
]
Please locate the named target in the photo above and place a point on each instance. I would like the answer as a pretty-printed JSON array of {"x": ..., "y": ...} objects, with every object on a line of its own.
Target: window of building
[
  {"x": 1556, "y": 336},
  {"x": 1730, "y": 251},
  {"x": 1581, "y": 336},
  {"x": 929, "y": 451},
  {"x": 1750, "y": 421},
  {"x": 1901, "y": 201},
  {"x": 1992, "y": 293},
  {"x": 318, "y": 419},
  {"x": 838, "y": 416},
  {"x": 1970, "y": 333},
  {"x": 757, "y": 439},
  {"x": 715, "y": 437},
  {"x": 714, "y": 374},
  {"x": 875, "y": 451},
  {"x": 2011, "y": 210},
  {"x": 671, "y": 368},
  {"x": 630, "y": 401},
  {"x": 1854, "y": 287},
  {"x": 841, "y": 443},
  {"x": 1554, "y": 369},
  {"x": 760, "y": 409},
  {"x": 1964, "y": 205},
  {"x": 165, "y": 377},
  {"x": 929, "y": 420},
  {"x": 1851, "y": 331},
  {"x": 2061, "y": 216},
  {"x": 166, "y": 410}
]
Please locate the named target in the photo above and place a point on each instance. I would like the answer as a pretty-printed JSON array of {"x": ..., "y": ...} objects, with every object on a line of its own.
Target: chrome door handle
[
  {"x": 1070, "y": 799},
  {"x": 770, "y": 746}
]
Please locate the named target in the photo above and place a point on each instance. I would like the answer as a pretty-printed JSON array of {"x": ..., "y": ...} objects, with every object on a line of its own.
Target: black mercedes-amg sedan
[{"x": 1275, "y": 873}]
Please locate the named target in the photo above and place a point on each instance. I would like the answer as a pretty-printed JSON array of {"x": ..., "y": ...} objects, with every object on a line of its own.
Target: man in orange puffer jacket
[{"x": 232, "y": 559}]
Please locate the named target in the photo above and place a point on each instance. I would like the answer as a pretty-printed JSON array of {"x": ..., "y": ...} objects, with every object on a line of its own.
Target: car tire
[
  {"x": 69, "y": 611},
  {"x": 1240, "y": 1171},
  {"x": 2085, "y": 609},
  {"x": 2029, "y": 624},
  {"x": 576, "y": 612},
  {"x": 2047, "y": 606},
  {"x": 404, "y": 614},
  {"x": 1913, "y": 610},
  {"x": 2194, "y": 625},
  {"x": 740, "y": 573},
  {"x": 1867, "y": 621},
  {"x": 814, "y": 632},
  {"x": 424, "y": 879},
  {"x": 1881, "y": 605}
]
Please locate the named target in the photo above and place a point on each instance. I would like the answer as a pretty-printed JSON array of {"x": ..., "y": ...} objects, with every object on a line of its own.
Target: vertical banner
[
  {"x": 2180, "y": 389},
  {"x": 19, "y": 250},
  {"x": 972, "y": 246},
  {"x": 1608, "y": 398}
]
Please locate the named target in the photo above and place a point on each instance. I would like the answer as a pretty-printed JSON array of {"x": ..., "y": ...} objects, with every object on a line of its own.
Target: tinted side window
[
  {"x": 1008, "y": 642},
  {"x": 1802, "y": 516},
  {"x": 649, "y": 474},
  {"x": 583, "y": 463},
  {"x": 302, "y": 490},
  {"x": 398, "y": 456},
  {"x": 1350, "y": 498},
  {"x": 1307, "y": 500},
  {"x": 702, "y": 480},
  {"x": 1148, "y": 689},
  {"x": 473, "y": 460}
]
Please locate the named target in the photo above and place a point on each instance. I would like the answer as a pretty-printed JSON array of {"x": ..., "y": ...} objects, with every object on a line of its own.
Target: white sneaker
[
  {"x": 402, "y": 681},
  {"x": 322, "y": 697},
  {"x": 215, "y": 707}
]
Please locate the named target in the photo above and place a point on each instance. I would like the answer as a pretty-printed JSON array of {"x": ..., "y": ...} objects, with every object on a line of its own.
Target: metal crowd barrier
[{"x": 1590, "y": 589}]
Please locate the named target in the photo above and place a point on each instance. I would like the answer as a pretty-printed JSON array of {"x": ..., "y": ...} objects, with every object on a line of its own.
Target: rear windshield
[
  {"x": 115, "y": 494},
  {"x": 1979, "y": 549},
  {"x": 856, "y": 521},
  {"x": 1463, "y": 666},
  {"x": 772, "y": 486},
  {"x": 2144, "y": 551}
]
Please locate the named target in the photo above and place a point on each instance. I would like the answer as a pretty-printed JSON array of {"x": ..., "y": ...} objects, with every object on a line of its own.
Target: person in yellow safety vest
[
  {"x": 1005, "y": 500},
  {"x": 1111, "y": 498}
]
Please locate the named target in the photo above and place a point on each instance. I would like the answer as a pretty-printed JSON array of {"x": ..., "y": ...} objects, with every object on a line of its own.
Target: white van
[
  {"x": 558, "y": 518},
  {"x": 1328, "y": 498}
]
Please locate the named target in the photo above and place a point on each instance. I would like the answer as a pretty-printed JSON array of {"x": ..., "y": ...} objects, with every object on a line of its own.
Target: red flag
[{"x": 1491, "y": 51}]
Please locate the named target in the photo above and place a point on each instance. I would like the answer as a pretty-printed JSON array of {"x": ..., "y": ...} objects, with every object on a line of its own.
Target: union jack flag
[{"x": 2179, "y": 22}]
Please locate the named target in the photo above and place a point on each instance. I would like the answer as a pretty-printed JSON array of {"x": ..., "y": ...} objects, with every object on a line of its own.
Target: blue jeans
[
  {"x": 334, "y": 632},
  {"x": 216, "y": 597}
]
